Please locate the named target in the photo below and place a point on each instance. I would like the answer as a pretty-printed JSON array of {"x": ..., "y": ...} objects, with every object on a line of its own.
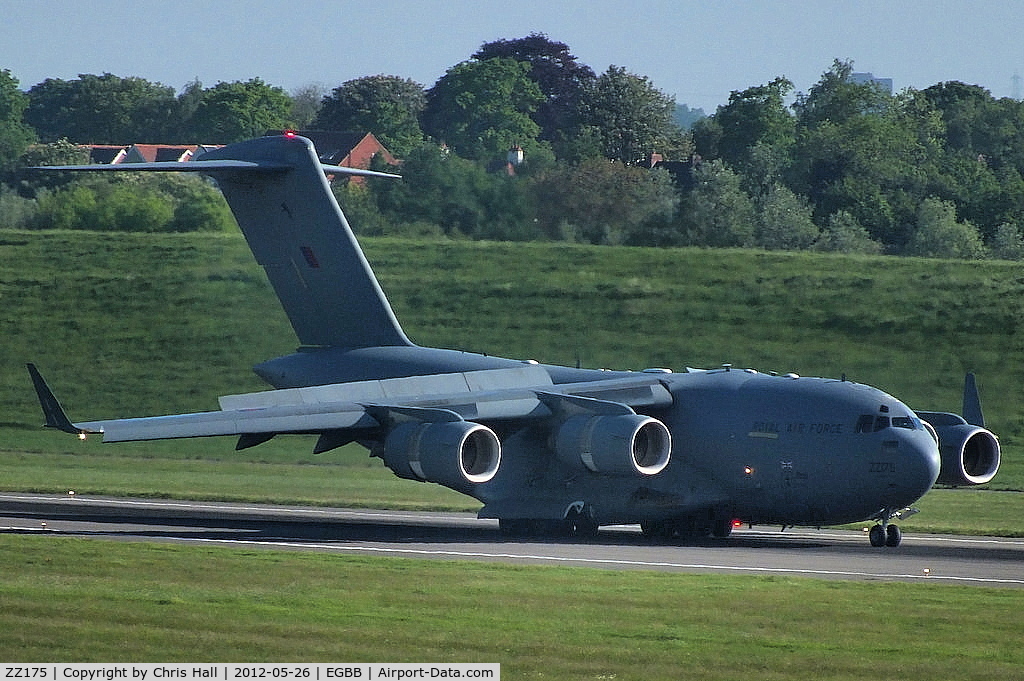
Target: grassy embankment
[{"x": 130, "y": 325}]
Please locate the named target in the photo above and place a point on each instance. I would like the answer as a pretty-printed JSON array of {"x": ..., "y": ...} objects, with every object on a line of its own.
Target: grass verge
[{"x": 81, "y": 600}]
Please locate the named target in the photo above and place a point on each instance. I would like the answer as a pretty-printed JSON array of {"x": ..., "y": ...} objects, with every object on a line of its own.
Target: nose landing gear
[{"x": 885, "y": 533}]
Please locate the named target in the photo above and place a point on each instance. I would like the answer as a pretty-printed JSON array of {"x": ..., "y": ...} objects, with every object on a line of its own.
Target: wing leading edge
[{"x": 347, "y": 410}]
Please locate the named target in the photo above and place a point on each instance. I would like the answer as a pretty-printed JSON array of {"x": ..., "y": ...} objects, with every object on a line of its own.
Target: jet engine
[
  {"x": 623, "y": 444},
  {"x": 453, "y": 453},
  {"x": 970, "y": 454}
]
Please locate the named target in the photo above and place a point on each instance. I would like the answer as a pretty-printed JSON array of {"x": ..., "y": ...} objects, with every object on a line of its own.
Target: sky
[{"x": 695, "y": 51}]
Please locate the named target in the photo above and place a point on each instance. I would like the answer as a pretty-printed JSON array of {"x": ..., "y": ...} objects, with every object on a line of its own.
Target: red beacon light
[{"x": 290, "y": 134}]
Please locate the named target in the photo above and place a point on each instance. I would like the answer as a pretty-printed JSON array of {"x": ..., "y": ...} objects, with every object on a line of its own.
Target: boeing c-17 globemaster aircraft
[{"x": 546, "y": 449}]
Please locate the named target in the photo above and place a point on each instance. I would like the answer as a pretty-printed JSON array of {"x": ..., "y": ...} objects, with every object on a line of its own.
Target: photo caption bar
[{"x": 199, "y": 671}]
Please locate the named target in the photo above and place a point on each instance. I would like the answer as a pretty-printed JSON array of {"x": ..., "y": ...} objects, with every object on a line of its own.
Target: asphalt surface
[{"x": 825, "y": 554}]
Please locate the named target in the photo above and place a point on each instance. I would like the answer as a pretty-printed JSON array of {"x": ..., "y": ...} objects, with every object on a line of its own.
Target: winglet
[
  {"x": 972, "y": 402},
  {"x": 55, "y": 416}
]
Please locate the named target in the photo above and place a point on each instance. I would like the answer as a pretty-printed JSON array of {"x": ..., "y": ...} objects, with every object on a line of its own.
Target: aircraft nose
[{"x": 920, "y": 466}]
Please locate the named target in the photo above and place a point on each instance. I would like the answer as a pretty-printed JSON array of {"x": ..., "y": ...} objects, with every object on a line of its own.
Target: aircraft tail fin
[{"x": 279, "y": 194}]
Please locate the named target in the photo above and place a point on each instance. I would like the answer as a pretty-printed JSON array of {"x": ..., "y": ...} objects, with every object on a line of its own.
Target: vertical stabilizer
[{"x": 299, "y": 235}]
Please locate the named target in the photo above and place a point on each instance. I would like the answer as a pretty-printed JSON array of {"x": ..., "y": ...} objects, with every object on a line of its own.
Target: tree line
[{"x": 844, "y": 167}]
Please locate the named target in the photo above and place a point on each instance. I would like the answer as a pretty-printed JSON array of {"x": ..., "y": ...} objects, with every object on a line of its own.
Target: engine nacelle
[
  {"x": 624, "y": 444},
  {"x": 452, "y": 453},
  {"x": 970, "y": 454}
]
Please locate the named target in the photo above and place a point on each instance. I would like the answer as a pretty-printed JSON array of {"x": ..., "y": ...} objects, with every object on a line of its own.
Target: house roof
[
  {"x": 145, "y": 153},
  {"x": 148, "y": 153},
  {"x": 345, "y": 148}
]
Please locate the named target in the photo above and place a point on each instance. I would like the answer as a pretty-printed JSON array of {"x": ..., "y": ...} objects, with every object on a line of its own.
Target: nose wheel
[{"x": 885, "y": 535}]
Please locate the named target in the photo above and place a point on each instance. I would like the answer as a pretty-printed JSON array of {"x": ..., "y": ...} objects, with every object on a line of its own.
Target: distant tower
[
  {"x": 861, "y": 78},
  {"x": 1015, "y": 89}
]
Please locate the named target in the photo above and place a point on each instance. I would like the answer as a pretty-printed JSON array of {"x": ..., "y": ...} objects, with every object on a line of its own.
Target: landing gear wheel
[
  {"x": 659, "y": 530},
  {"x": 515, "y": 527},
  {"x": 877, "y": 536},
  {"x": 893, "y": 536},
  {"x": 583, "y": 527},
  {"x": 721, "y": 528}
]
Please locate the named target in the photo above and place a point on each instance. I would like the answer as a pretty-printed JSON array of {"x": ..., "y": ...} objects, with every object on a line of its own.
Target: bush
[
  {"x": 133, "y": 203},
  {"x": 940, "y": 235},
  {"x": 844, "y": 234},
  {"x": 16, "y": 212}
]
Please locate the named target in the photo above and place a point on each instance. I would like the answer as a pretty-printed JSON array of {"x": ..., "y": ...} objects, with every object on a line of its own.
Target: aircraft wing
[{"x": 349, "y": 410}]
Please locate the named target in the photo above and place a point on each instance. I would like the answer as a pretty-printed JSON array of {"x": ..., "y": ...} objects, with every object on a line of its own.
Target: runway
[{"x": 824, "y": 554}]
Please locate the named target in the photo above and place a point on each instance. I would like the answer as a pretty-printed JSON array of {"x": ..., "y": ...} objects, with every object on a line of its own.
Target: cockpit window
[
  {"x": 908, "y": 422},
  {"x": 868, "y": 423}
]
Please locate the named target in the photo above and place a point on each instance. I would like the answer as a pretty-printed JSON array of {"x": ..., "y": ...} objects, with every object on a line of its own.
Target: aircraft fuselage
[{"x": 746, "y": 445}]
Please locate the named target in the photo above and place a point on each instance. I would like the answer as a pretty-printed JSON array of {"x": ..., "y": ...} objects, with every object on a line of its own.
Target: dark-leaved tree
[
  {"x": 387, "y": 106},
  {"x": 483, "y": 108},
  {"x": 562, "y": 79}
]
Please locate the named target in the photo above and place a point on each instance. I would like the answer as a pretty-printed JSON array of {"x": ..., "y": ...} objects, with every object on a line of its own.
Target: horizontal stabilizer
[
  {"x": 174, "y": 167},
  {"x": 209, "y": 167}
]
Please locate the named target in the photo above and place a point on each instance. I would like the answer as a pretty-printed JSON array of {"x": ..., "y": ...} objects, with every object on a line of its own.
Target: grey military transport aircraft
[{"x": 546, "y": 449}]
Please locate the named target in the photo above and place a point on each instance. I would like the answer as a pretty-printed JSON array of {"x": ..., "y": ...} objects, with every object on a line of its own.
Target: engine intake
[
  {"x": 453, "y": 453},
  {"x": 970, "y": 454},
  {"x": 624, "y": 444}
]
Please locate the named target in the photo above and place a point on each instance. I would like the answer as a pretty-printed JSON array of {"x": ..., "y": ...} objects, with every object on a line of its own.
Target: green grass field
[
  {"x": 131, "y": 325},
  {"x": 87, "y": 600}
]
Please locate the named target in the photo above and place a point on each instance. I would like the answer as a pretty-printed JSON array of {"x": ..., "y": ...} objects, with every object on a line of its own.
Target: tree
[
  {"x": 105, "y": 109},
  {"x": 873, "y": 165},
  {"x": 1008, "y": 243},
  {"x": 306, "y": 102},
  {"x": 15, "y": 135},
  {"x": 458, "y": 195},
  {"x": 605, "y": 202},
  {"x": 755, "y": 117},
  {"x": 632, "y": 117},
  {"x": 483, "y": 108},
  {"x": 563, "y": 81},
  {"x": 232, "y": 112},
  {"x": 61, "y": 152},
  {"x": 843, "y": 234},
  {"x": 717, "y": 212},
  {"x": 837, "y": 98},
  {"x": 785, "y": 221},
  {"x": 186, "y": 106},
  {"x": 940, "y": 235},
  {"x": 387, "y": 106}
]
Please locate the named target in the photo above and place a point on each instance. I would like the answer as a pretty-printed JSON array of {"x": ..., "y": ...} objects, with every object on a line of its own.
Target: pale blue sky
[{"x": 696, "y": 51}]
